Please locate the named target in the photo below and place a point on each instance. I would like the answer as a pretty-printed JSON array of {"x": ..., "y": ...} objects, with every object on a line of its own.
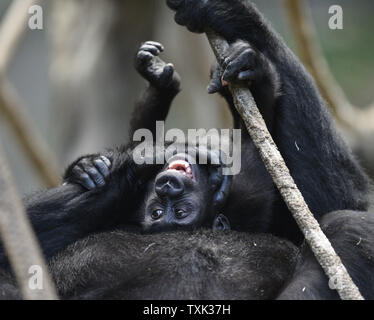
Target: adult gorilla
[
  {"x": 333, "y": 184},
  {"x": 203, "y": 264}
]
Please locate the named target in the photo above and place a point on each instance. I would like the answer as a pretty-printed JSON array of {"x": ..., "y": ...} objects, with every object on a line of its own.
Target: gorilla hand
[
  {"x": 246, "y": 65},
  {"x": 242, "y": 63},
  {"x": 90, "y": 172},
  {"x": 159, "y": 74}
]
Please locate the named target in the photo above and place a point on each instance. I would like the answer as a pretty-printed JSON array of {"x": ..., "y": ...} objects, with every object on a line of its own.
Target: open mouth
[{"x": 182, "y": 167}]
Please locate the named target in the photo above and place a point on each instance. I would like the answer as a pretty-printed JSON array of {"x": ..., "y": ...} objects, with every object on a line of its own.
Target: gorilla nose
[{"x": 169, "y": 185}]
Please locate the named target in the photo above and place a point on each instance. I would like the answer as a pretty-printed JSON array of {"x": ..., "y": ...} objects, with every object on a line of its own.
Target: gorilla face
[{"x": 178, "y": 198}]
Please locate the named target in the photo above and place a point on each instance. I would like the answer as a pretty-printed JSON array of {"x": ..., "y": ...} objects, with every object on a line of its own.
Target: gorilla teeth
[{"x": 182, "y": 167}]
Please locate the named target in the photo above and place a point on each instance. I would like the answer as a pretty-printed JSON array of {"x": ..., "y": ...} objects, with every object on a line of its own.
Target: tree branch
[
  {"x": 311, "y": 54},
  {"x": 33, "y": 146},
  {"x": 12, "y": 29},
  {"x": 318, "y": 242},
  {"x": 19, "y": 240}
]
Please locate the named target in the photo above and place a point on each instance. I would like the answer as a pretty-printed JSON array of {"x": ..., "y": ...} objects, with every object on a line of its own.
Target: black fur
[
  {"x": 303, "y": 128},
  {"x": 323, "y": 167},
  {"x": 174, "y": 266},
  {"x": 333, "y": 184}
]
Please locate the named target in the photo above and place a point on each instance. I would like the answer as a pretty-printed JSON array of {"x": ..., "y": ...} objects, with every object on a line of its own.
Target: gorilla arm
[
  {"x": 163, "y": 86},
  {"x": 66, "y": 214},
  {"x": 302, "y": 128},
  {"x": 63, "y": 215}
]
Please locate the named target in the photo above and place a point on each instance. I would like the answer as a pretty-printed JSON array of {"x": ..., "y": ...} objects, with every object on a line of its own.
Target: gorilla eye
[
  {"x": 157, "y": 214},
  {"x": 180, "y": 214}
]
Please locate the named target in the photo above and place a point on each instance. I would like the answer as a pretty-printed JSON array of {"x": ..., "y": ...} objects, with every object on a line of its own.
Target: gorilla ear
[
  {"x": 221, "y": 223},
  {"x": 221, "y": 195},
  {"x": 220, "y": 183}
]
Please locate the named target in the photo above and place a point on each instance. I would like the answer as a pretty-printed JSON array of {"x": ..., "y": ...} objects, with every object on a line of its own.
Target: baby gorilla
[
  {"x": 176, "y": 199},
  {"x": 179, "y": 196}
]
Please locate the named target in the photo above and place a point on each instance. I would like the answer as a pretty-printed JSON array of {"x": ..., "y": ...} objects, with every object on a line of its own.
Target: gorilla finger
[
  {"x": 88, "y": 167},
  {"x": 214, "y": 86},
  {"x": 158, "y": 45},
  {"x": 226, "y": 62},
  {"x": 84, "y": 179},
  {"x": 96, "y": 176},
  {"x": 102, "y": 167},
  {"x": 237, "y": 48},
  {"x": 232, "y": 57},
  {"x": 167, "y": 74},
  {"x": 145, "y": 56},
  {"x": 247, "y": 75},
  {"x": 169, "y": 69},
  {"x": 152, "y": 49},
  {"x": 87, "y": 182},
  {"x": 237, "y": 65},
  {"x": 106, "y": 161}
]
